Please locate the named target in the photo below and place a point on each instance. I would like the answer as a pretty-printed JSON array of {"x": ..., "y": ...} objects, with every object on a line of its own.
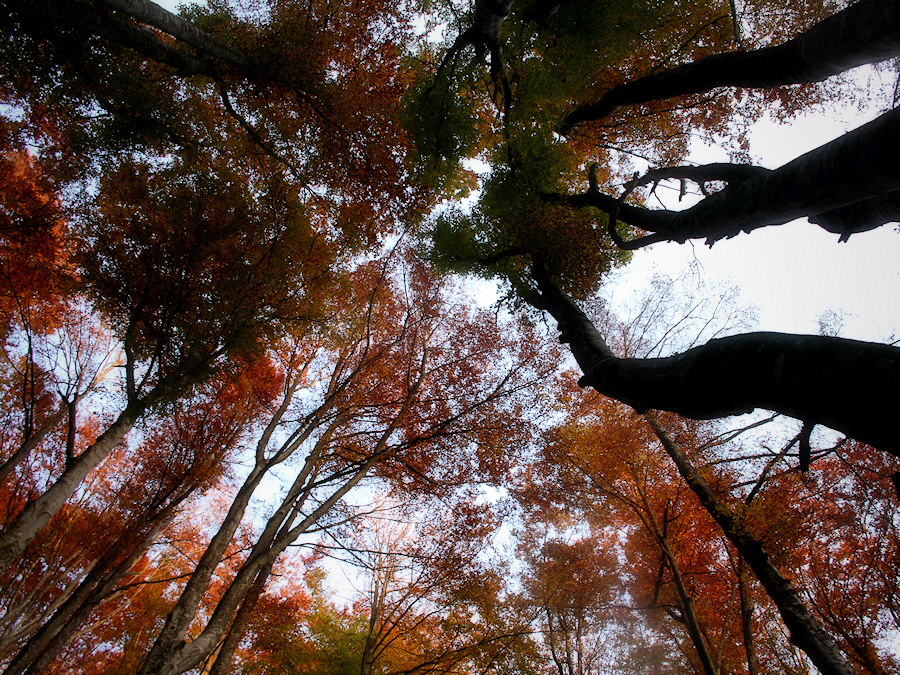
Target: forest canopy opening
[{"x": 234, "y": 241}]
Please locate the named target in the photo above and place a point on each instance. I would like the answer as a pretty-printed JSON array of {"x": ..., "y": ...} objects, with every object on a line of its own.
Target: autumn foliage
[{"x": 235, "y": 358}]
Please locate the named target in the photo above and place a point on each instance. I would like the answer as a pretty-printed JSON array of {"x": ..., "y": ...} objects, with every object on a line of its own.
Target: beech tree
[
  {"x": 602, "y": 487},
  {"x": 842, "y": 384},
  {"x": 348, "y": 416},
  {"x": 182, "y": 298},
  {"x": 224, "y": 189},
  {"x": 181, "y": 455}
]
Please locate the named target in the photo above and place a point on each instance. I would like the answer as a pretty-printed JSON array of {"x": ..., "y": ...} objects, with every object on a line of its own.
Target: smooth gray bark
[
  {"x": 229, "y": 645},
  {"x": 154, "y": 15},
  {"x": 846, "y": 385},
  {"x": 280, "y": 532},
  {"x": 91, "y": 21},
  {"x": 865, "y": 32},
  {"x": 184, "y": 612},
  {"x": 191, "y": 654},
  {"x": 38, "y": 512},
  {"x": 43, "y": 648}
]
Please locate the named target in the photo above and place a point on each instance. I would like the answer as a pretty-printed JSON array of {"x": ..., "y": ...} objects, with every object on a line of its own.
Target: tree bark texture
[
  {"x": 45, "y": 645},
  {"x": 865, "y": 32},
  {"x": 38, "y": 512},
  {"x": 846, "y": 385},
  {"x": 227, "y": 648},
  {"x": 747, "y": 617},
  {"x": 805, "y": 630},
  {"x": 153, "y": 15},
  {"x": 187, "y": 655},
  {"x": 279, "y": 533},
  {"x": 184, "y": 612}
]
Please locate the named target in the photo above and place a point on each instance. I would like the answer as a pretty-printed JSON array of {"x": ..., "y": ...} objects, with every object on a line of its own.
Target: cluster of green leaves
[
  {"x": 190, "y": 263},
  {"x": 515, "y": 222}
]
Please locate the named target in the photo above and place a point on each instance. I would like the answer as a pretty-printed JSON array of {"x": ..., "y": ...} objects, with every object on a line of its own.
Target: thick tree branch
[
  {"x": 484, "y": 36},
  {"x": 153, "y": 15},
  {"x": 88, "y": 20},
  {"x": 843, "y": 384},
  {"x": 866, "y": 32},
  {"x": 851, "y": 184}
]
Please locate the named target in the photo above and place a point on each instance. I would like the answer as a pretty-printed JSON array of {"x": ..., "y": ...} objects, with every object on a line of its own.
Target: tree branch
[
  {"x": 867, "y": 31},
  {"x": 843, "y": 384}
]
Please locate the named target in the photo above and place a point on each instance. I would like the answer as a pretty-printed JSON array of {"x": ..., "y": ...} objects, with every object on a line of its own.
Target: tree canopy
[{"x": 239, "y": 337}]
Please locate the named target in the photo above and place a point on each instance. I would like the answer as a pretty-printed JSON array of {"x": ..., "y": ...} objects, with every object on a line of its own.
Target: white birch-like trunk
[{"x": 38, "y": 512}]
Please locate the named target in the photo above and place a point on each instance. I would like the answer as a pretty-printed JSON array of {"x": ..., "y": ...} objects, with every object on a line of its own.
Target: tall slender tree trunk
[
  {"x": 43, "y": 648},
  {"x": 38, "y": 512},
  {"x": 229, "y": 645},
  {"x": 183, "y": 613},
  {"x": 185, "y": 656},
  {"x": 806, "y": 632},
  {"x": 747, "y": 617},
  {"x": 688, "y": 615}
]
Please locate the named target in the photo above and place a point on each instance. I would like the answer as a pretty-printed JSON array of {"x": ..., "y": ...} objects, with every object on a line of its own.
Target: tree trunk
[
  {"x": 185, "y": 656},
  {"x": 44, "y": 646},
  {"x": 865, "y": 32},
  {"x": 846, "y": 186},
  {"x": 185, "y": 610},
  {"x": 747, "y": 617},
  {"x": 688, "y": 615},
  {"x": 183, "y": 613},
  {"x": 153, "y": 15},
  {"x": 38, "y": 512},
  {"x": 843, "y": 384},
  {"x": 226, "y": 650},
  {"x": 88, "y": 20},
  {"x": 805, "y": 630}
]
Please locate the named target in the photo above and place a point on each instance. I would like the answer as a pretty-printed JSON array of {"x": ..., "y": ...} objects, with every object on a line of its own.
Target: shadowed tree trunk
[
  {"x": 154, "y": 15},
  {"x": 843, "y": 384},
  {"x": 866, "y": 32},
  {"x": 484, "y": 36},
  {"x": 747, "y": 617},
  {"x": 851, "y": 184},
  {"x": 38, "y": 512},
  {"x": 805, "y": 630},
  {"x": 45, "y": 645},
  {"x": 686, "y": 613}
]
